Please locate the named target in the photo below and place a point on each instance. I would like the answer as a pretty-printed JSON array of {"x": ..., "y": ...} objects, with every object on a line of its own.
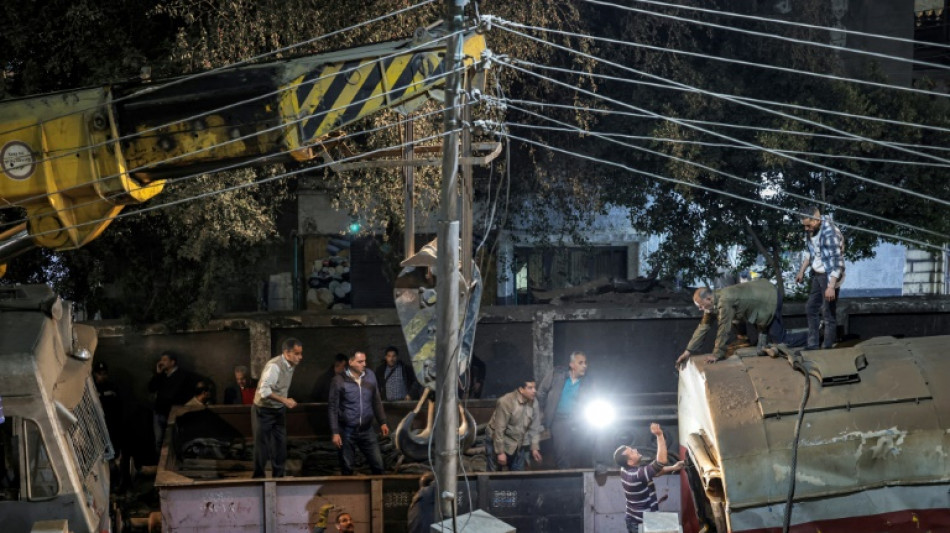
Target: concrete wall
[{"x": 631, "y": 350}]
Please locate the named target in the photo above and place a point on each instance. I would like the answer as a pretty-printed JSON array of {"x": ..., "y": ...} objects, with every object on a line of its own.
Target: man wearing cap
[{"x": 637, "y": 481}]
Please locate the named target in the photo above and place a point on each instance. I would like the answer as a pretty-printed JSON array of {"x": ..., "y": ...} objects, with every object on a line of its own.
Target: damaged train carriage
[
  {"x": 872, "y": 448},
  {"x": 54, "y": 444}
]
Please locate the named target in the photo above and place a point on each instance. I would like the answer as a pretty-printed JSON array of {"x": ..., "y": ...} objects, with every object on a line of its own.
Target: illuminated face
[
  {"x": 529, "y": 391},
  {"x": 704, "y": 304},
  {"x": 344, "y": 522},
  {"x": 633, "y": 455},
  {"x": 358, "y": 363},
  {"x": 578, "y": 365},
  {"x": 391, "y": 358},
  {"x": 294, "y": 355},
  {"x": 241, "y": 379}
]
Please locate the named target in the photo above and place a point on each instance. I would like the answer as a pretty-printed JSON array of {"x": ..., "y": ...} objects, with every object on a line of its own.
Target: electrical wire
[
  {"x": 711, "y": 190},
  {"x": 670, "y": 140},
  {"x": 657, "y": 115},
  {"x": 742, "y": 99},
  {"x": 224, "y": 108},
  {"x": 250, "y": 60},
  {"x": 734, "y": 61},
  {"x": 771, "y": 35},
  {"x": 576, "y": 129},
  {"x": 789, "y": 23},
  {"x": 748, "y": 102},
  {"x": 712, "y": 123}
]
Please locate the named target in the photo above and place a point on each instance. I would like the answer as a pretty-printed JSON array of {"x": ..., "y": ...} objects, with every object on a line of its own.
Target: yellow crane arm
[{"x": 73, "y": 160}]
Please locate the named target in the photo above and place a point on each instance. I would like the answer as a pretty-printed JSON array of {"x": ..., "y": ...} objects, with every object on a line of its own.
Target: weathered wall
[{"x": 631, "y": 350}]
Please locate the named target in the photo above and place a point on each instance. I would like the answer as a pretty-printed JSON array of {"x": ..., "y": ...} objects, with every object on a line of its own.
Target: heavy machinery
[
  {"x": 862, "y": 431},
  {"x": 54, "y": 441},
  {"x": 71, "y": 161}
]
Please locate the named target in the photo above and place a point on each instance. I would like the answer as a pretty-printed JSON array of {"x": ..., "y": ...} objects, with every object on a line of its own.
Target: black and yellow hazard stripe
[{"x": 335, "y": 95}]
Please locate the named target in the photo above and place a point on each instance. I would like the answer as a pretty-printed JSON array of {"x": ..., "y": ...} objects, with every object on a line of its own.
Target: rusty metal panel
[
  {"x": 891, "y": 375},
  {"x": 889, "y": 429},
  {"x": 299, "y": 502},
  {"x": 233, "y": 507}
]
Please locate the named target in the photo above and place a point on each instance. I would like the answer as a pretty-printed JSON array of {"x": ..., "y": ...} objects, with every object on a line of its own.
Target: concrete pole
[
  {"x": 447, "y": 283},
  {"x": 409, "y": 172}
]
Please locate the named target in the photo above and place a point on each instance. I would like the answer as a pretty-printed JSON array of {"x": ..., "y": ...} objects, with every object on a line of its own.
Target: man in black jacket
[
  {"x": 397, "y": 380},
  {"x": 171, "y": 385},
  {"x": 353, "y": 406}
]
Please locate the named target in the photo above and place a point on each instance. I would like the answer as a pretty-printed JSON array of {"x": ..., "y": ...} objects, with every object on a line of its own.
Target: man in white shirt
[{"x": 270, "y": 406}]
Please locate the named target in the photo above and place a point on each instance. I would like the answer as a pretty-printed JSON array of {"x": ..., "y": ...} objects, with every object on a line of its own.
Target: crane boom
[{"x": 74, "y": 159}]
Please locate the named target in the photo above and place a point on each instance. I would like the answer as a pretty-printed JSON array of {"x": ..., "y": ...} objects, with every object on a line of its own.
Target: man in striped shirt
[{"x": 637, "y": 481}]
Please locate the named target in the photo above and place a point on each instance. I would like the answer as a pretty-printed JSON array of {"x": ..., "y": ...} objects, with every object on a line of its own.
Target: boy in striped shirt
[{"x": 637, "y": 481}]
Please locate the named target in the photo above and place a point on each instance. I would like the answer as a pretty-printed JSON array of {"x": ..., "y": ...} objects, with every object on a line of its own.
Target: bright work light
[{"x": 599, "y": 414}]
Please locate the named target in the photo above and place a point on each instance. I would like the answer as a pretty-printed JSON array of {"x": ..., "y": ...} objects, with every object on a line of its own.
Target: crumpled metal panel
[
  {"x": 888, "y": 429},
  {"x": 891, "y": 375}
]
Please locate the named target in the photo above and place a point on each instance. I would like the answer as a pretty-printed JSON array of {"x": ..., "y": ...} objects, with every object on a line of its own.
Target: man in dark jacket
[
  {"x": 321, "y": 387},
  {"x": 171, "y": 386},
  {"x": 397, "y": 379},
  {"x": 354, "y": 405},
  {"x": 561, "y": 395}
]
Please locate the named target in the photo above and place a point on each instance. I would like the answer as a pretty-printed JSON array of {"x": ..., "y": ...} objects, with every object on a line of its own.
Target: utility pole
[{"x": 447, "y": 282}]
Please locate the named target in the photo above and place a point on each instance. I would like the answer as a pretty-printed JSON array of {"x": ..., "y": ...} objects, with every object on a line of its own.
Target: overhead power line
[
  {"x": 717, "y": 134},
  {"x": 573, "y": 128},
  {"x": 711, "y": 190},
  {"x": 670, "y": 140},
  {"x": 742, "y": 62},
  {"x": 747, "y": 102},
  {"x": 771, "y": 35},
  {"x": 713, "y": 123},
  {"x": 773, "y": 20}
]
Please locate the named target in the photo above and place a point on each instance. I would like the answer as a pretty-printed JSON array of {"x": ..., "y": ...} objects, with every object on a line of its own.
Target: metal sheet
[
  {"x": 888, "y": 429},
  {"x": 892, "y": 375}
]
